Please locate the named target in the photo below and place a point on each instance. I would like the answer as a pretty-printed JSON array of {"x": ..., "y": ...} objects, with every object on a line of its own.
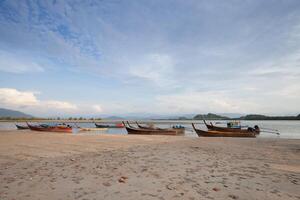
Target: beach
[{"x": 46, "y": 166}]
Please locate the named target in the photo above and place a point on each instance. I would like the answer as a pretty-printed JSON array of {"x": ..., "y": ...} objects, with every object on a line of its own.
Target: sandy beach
[{"x": 62, "y": 166}]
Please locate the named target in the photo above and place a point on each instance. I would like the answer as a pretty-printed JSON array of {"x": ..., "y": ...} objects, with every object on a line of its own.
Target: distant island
[
  {"x": 211, "y": 116},
  {"x": 264, "y": 117}
]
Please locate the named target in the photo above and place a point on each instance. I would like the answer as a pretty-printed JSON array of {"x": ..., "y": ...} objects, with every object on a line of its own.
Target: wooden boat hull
[
  {"x": 22, "y": 127},
  {"x": 93, "y": 129},
  {"x": 51, "y": 129},
  {"x": 139, "y": 131},
  {"x": 221, "y": 129},
  {"x": 202, "y": 133},
  {"x": 108, "y": 126},
  {"x": 180, "y": 131}
]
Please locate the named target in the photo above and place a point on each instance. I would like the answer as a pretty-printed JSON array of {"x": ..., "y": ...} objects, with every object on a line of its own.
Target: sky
[{"x": 171, "y": 57}]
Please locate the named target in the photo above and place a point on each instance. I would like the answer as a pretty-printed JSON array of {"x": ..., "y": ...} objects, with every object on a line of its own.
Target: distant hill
[
  {"x": 264, "y": 117},
  {"x": 231, "y": 115},
  {"x": 209, "y": 116},
  {"x": 113, "y": 118},
  {"x": 7, "y": 113}
]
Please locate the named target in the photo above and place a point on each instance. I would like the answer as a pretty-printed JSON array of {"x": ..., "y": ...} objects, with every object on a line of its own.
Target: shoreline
[
  {"x": 65, "y": 166},
  {"x": 156, "y": 121}
]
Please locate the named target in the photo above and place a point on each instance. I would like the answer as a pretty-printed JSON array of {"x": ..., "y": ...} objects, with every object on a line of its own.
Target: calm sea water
[{"x": 287, "y": 129}]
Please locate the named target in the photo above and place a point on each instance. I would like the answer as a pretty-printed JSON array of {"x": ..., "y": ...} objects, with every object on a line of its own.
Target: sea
[{"x": 289, "y": 129}]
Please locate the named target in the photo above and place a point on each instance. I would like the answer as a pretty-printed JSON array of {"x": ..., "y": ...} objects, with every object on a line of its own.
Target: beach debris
[
  {"x": 216, "y": 189},
  {"x": 123, "y": 179},
  {"x": 72, "y": 159},
  {"x": 233, "y": 196}
]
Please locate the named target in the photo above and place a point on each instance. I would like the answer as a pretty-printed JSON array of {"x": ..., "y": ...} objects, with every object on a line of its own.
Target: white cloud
[
  {"x": 14, "y": 98},
  {"x": 193, "y": 101},
  {"x": 97, "y": 108},
  {"x": 17, "y": 64},
  {"x": 26, "y": 100},
  {"x": 285, "y": 101},
  {"x": 282, "y": 66},
  {"x": 59, "y": 105},
  {"x": 157, "y": 68}
]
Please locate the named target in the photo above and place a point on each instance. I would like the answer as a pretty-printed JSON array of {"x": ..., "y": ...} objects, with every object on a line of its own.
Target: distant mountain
[
  {"x": 113, "y": 118},
  {"x": 209, "y": 116},
  {"x": 151, "y": 116},
  {"x": 7, "y": 113},
  {"x": 172, "y": 117}
]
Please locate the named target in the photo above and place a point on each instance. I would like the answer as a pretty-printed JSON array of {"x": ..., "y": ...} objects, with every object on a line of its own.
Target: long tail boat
[
  {"x": 21, "y": 127},
  {"x": 63, "y": 129},
  {"x": 141, "y": 131},
  {"x": 109, "y": 126},
  {"x": 202, "y": 133},
  {"x": 212, "y": 127},
  {"x": 180, "y": 129}
]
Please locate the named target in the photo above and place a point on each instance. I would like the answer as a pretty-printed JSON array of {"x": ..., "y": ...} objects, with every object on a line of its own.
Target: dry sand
[{"x": 61, "y": 166}]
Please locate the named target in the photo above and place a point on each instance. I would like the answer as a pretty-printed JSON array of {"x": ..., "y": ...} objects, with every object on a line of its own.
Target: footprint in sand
[{"x": 106, "y": 184}]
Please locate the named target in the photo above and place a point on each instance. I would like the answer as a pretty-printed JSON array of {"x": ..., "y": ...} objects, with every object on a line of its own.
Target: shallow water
[{"x": 287, "y": 128}]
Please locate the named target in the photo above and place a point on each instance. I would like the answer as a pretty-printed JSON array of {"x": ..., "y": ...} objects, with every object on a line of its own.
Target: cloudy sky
[{"x": 138, "y": 56}]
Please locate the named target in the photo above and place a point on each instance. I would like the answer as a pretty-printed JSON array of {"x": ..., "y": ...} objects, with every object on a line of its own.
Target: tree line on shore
[{"x": 50, "y": 118}]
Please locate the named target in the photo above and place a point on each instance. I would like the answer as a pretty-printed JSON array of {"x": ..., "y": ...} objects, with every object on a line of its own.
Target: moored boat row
[
  {"x": 64, "y": 127},
  {"x": 212, "y": 130}
]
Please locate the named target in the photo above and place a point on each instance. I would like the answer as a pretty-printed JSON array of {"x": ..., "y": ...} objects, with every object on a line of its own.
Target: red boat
[
  {"x": 109, "y": 126},
  {"x": 62, "y": 129}
]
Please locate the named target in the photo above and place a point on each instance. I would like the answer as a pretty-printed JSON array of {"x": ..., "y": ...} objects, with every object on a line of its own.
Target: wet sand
[{"x": 61, "y": 166}]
